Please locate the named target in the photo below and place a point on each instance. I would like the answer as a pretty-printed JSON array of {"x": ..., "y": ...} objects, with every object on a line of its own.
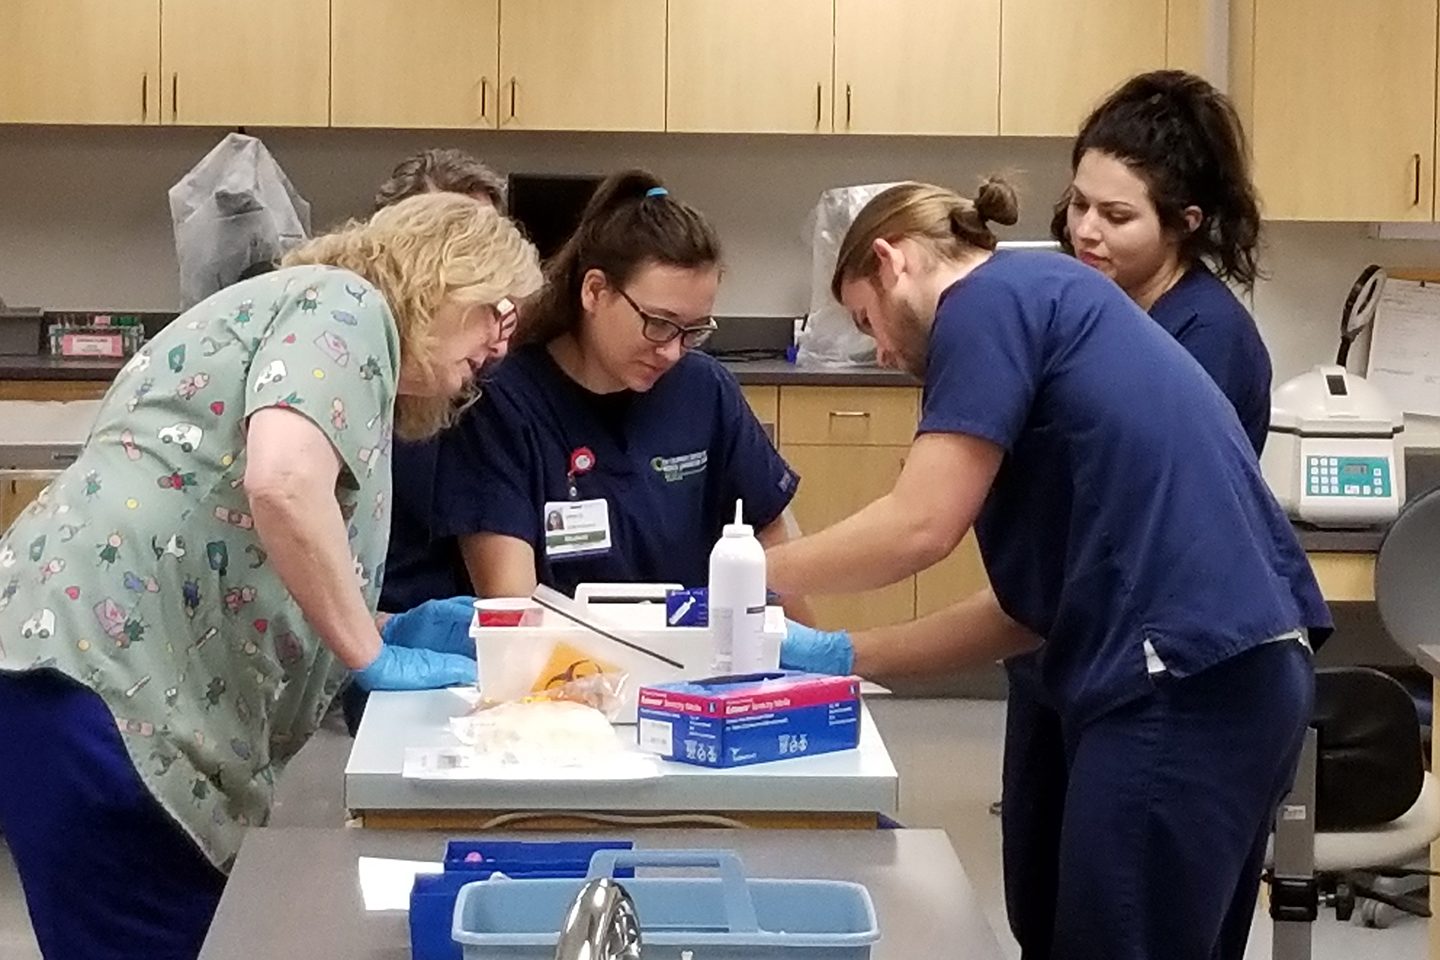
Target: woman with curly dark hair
[{"x": 1162, "y": 203}]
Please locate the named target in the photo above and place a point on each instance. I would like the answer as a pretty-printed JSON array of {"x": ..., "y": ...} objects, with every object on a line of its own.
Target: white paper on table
[
  {"x": 1405, "y": 346},
  {"x": 463, "y": 763},
  {"x": 385, "y": 884}
]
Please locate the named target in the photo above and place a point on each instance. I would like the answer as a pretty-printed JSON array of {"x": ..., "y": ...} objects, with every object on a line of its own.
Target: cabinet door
[
  {"x": 444, "y": 74},
  {"x": 582, "y": 64},
  {"x": 1058, "y": 58},
  {"x": 750, "y": 66},
  {"x": 80, "y": 61},
  {"x": 765, "y": 404},
  {"x": 953, "y": 579},
  {"x": 17, "y": 491},
  {"x": 232, "y": 62},
  {"x": 1342, "y": 116},
  {"x": 892, "y": 76},
  {"x": 835, "y": 482}
]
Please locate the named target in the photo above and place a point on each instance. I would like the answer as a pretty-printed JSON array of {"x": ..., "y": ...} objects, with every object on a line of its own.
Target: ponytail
[
  {"x": 630, "y": 221},
  {"x": 950, "y": 225}
]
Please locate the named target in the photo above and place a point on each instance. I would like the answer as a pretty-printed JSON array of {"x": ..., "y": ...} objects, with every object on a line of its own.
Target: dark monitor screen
[{"x": 548, "y": 206}]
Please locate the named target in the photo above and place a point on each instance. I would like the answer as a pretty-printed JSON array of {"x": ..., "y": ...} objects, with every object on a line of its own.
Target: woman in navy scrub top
[
  {"x": 1143, "y": 580},
  {"x": 1162, "y": 203},
  {"x": 606, "y": 449}
]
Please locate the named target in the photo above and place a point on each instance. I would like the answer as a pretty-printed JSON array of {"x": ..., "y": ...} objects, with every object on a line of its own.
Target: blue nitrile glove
[
  {"x": 817, "y": 651},
  {"x": 439, "y": 625},
  {"x": 407, "y": 668}
]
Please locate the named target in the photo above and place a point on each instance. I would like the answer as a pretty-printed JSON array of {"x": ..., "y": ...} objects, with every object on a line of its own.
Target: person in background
[
  {"x": 1162, "y": 203},
  {"x": 1145, "y": 585},
  {"x": 607, "y": 415},
  {"x": 178, "y": 609},
  {"x": 422, "y": 565}
]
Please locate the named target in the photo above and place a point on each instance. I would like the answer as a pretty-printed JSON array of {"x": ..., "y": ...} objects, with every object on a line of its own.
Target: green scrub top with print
[{"x": 139, "y": 572}]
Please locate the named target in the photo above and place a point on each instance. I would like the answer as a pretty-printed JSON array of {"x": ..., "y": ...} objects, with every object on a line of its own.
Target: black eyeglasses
[{"x": 660, "y": 330}]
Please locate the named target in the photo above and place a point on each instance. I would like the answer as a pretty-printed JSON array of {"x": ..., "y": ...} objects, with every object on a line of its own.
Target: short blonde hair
[{"x": 422, "y": 252}]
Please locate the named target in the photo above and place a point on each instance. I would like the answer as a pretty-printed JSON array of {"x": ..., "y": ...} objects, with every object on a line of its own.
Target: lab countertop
[
  {"x": 46, "y": 367},
  {"x": 748, "y": 372},
  {"x": 778, "y": 373},
  {"x": 1339, "y": 541},
  {"x": 296, "y": 893},
  {"x": 1427, "y": 655}
]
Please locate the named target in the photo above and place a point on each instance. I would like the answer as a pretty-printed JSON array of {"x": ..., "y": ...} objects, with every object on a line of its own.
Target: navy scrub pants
[
  {"x": 1141, "y": 835},
  {"x": 107, "y": 874}
]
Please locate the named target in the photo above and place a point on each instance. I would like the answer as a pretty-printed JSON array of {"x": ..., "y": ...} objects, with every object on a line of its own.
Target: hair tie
[{"x": 657, "y": 192}]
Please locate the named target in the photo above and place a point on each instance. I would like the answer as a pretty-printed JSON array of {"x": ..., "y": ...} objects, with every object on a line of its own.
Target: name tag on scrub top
[{"x": 576, "y": 528}]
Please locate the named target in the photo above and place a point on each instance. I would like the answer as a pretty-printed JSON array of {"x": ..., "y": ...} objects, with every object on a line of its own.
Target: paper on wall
[{"x": 1404, "y": 359}]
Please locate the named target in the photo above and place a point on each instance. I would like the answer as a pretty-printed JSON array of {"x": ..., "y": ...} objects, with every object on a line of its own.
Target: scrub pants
[
  {"x": 1141, "y": 835},
  {"x": 107, "y": 874}
]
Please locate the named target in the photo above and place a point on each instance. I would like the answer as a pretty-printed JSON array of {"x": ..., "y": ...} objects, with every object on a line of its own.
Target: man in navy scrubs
[{"x": 1145, "y": 584}]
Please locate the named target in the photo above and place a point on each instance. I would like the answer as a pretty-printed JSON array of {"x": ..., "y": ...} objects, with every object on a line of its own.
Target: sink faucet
[{"x": 600, "y": 925}]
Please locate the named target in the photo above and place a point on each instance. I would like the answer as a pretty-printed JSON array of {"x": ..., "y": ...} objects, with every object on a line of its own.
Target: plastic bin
[
  {"x": 432, "y": 899},
  {"x": 725, "y": 918},
  {"x": 511, "y": 659}
]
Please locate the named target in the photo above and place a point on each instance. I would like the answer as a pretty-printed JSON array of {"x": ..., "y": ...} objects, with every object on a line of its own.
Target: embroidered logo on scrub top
[{"x": 675, "y": 469}]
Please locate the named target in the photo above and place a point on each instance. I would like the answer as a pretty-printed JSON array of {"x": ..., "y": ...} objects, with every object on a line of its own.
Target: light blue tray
[{"x": 724, "y": 918}]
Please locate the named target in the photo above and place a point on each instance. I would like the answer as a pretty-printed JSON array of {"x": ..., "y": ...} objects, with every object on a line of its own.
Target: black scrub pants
[{"x": 1141, "y": 834}]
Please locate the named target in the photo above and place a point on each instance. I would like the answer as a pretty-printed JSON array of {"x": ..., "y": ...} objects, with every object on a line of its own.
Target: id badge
[{"x": 577, "y": 528}]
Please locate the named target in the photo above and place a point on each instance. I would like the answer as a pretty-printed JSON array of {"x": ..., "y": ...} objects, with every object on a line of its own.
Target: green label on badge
[
  {"x": 580, "y": 539},
  {"x": 674, "y": 469}
]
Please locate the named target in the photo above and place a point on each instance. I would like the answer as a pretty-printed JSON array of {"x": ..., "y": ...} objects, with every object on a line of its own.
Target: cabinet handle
[
  {"x": 1415, "y": 161},
  {"x": 484, "y": 97},
  {"x": 850, "y": 414},
  {"x": 175, "y": 96},
  {"x": 819, "y": 95},
  {"x": 513, "y": 84},
  {"x": 144, "y": 97},
  {"x": 847, "y": 106}
]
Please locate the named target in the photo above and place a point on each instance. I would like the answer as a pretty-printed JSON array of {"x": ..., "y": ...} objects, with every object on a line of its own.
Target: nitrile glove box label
[{"x": 736, "y": 721}]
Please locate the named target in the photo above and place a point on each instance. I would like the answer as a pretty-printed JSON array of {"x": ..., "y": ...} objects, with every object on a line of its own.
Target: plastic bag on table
[
  {"x": 565, "y": 722},
  {"x": 829, "y": 336}
]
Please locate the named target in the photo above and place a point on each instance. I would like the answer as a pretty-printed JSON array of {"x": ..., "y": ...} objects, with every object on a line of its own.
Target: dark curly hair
[{"x": 1183, "y": 138}]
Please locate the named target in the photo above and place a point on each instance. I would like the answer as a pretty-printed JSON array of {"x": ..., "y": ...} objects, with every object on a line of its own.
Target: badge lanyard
[{"x": 582, "y": 461}]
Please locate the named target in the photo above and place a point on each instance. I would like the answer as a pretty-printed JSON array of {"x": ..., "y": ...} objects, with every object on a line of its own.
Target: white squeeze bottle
[{"x": 737, "y": 598}]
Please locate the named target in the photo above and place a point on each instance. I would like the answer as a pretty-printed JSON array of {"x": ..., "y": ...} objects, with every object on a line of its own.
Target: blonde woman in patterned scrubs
[{"x": 181, "y": 605}]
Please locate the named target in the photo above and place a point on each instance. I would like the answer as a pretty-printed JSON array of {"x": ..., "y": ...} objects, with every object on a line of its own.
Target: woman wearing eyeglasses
[{"x": 606, "y": 415}]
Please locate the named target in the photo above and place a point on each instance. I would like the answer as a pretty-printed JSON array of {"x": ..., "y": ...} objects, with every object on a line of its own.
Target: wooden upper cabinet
[
  {"x": 582, "y": 65},
  {"x": 750, "y": 66},
  {"x": 1058, "y": 58},
  {"x": 1339, "y": 99},
  {"x": 917, "y": 66},
  {"x": 232, "y": 62},
  {"x": 80, "y": 61},
  {"x": 398, "y": 63}
]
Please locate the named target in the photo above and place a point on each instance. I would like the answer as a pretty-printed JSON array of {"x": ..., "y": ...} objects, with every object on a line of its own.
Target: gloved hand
[
  {"x": 406, "y": 668},
  {"x": 817, "y": 651},
  {"x": 439, "y": 625}
]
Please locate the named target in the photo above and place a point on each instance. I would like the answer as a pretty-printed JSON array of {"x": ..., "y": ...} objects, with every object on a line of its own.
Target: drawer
[
  {"x": 53, "y": 389},
  {"x": 863, "y": 416}
]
